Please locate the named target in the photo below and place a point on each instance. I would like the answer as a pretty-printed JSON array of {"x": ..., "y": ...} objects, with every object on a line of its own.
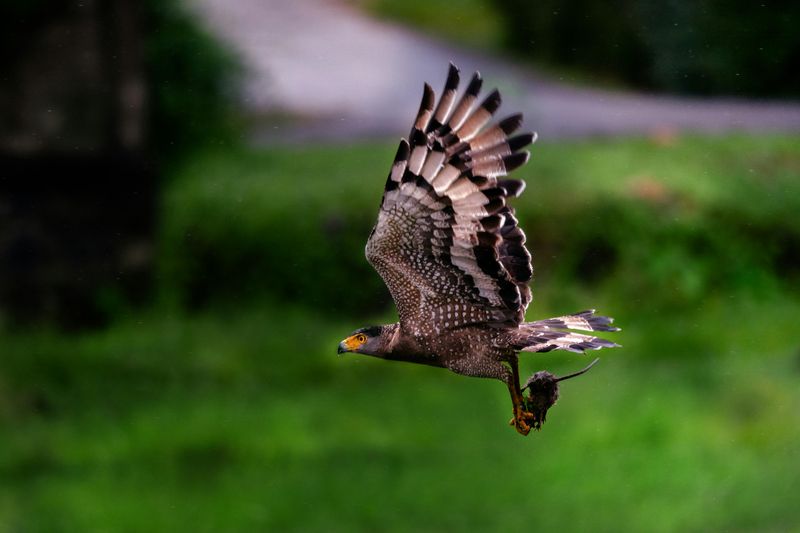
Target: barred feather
[
  {"x": 445, "y": 236},
  {"x": 585, "y": 320},
  {"x": 545, "y": 341},
  {"x": 555, "y": 334}
]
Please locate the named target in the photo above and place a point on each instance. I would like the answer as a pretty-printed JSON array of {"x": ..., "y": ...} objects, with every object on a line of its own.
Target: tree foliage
[{"x": 704, "y": 47}]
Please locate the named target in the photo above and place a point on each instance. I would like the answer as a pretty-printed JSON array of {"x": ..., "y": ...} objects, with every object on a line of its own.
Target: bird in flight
[{"x": 453, "y": 256}]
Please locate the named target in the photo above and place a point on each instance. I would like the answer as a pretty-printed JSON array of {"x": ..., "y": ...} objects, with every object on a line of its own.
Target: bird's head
[{"x": 367, "y": 340}]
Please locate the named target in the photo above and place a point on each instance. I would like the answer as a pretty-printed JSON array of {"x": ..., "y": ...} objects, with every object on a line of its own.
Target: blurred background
[{"x": 186, "y": 188}]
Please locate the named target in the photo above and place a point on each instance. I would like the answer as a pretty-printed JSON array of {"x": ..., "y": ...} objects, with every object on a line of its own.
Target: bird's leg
[{"x": 523, "y": 419}]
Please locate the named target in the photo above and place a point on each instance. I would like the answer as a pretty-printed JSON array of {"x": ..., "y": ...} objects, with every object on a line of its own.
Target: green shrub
[
  {"x": 288, "y": 223},
  {"x": 706, "y": 47},
  {"x": 189, "y": 77},
  {"x": 671, "y": 225},
  {"x": 578, "y": 34},
  {"x": 191, "y": 80}
]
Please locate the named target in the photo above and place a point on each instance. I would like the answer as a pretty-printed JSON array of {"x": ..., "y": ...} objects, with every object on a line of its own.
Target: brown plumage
[{"x": 453, "y": 256}]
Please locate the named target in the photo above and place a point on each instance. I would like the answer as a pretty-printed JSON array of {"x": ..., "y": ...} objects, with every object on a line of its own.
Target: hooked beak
[{"x": 350, "y": 344}]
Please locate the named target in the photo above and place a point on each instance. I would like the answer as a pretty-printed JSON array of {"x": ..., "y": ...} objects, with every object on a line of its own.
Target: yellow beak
[{"x": 350, "y": 344}]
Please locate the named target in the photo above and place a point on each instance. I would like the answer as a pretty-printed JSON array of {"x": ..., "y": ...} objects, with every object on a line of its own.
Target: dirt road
[{"x": 347, "y": 76}]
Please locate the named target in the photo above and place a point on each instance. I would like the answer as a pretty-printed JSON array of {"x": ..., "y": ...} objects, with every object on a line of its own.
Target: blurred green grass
[
  {"x": 225, "y": 408},
  {"x": 251, "y": 421}
]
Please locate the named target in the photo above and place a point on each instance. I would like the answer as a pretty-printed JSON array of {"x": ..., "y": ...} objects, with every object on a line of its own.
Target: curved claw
[
  {"x": 521, "y": 427},
  {"x": 523, "y": 421}
]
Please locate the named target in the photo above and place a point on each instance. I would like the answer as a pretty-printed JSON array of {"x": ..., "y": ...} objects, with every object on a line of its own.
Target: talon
[
  {"x": 520, "y": 425},
  {"x": 523, "y": 421},
  {"x": 522, "y": 428}
]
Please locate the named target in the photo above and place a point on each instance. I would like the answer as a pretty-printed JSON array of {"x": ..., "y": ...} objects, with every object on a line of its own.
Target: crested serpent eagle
[{"x": 453, "y": 256}]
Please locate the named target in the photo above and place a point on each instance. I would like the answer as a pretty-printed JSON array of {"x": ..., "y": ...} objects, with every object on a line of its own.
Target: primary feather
[{"x": 446, "y": 243}]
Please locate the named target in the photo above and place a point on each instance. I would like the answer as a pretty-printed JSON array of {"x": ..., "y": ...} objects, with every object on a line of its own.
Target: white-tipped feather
[
  {"x": 445, "y": 106},
  {"x": 417, "y": 159},
  {"x": 474, "y": 199},
  {"x": 462, "y": 111},
  {"x": 471, "y": 211},
  {"x": 488, "y": 138},
  {"x": 397, "y": 170},
  {"x": 432, "y": 165},
  {"x": 498, "y": 150},
  {"x": 460, "y": 188},
  {"x": 444, "y": 178},
  {"x": 490, "y": 167},
  {"x": 474, "y": 124}
]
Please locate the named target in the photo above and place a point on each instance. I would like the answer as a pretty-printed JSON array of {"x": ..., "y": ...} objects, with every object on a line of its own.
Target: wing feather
[{"x": 446, "y": 244}]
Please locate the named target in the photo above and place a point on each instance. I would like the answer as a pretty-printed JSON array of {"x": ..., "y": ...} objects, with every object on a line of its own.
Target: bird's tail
[{"x": 558, "y": 333}]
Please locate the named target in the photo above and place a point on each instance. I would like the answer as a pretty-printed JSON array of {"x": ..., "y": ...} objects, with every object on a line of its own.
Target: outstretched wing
[{"x": 445, "y": 243}]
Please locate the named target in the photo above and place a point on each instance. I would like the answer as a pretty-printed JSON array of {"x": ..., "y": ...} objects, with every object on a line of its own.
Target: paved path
[{"x": 346, "y": 76}]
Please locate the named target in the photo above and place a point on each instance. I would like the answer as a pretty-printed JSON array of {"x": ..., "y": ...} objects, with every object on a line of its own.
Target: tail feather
[
  {"x": 550, "y": 334},
  {"x": 584, "y": 321}
]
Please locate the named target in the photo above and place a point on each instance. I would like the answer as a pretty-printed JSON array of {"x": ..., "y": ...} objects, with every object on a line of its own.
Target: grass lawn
[
  {"x": 251, "y": 421},
  {"x": 239, "y": 416}
]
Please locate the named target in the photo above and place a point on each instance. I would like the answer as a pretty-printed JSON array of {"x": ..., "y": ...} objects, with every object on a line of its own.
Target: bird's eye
[{"x": 361, "y": 338}]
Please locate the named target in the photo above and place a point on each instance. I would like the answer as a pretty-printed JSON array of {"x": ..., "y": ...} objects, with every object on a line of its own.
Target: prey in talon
[{"x": 449, "y": 247}]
